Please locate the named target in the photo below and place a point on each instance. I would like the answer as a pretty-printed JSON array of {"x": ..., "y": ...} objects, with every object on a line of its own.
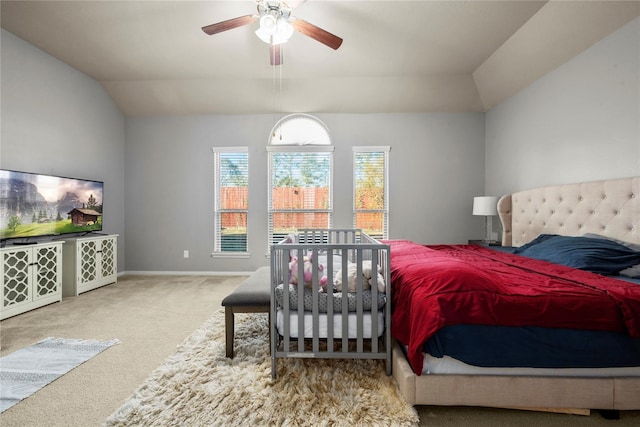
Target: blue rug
[{"x": 26, "y": 371}]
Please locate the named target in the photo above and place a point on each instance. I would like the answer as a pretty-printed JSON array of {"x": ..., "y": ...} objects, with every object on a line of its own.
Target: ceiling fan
[{"x": 277, "y": 25}]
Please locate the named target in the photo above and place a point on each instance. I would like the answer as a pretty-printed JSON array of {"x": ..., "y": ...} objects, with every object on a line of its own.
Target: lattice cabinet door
[
  {"x": 47, "y": 274},
  {"x": 89, "y": 262},
  {"x": 16, "y": 289},
  {"x": 31, "y": 277},
  {"x": 108, "y": 257}
]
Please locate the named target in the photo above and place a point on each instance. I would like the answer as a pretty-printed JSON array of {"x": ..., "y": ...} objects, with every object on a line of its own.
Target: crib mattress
[{"x": 337, "y": 324}]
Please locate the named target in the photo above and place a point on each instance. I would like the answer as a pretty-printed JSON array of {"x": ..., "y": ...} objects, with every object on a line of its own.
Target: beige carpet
[
  {"x": 152, "y": 315},
  {"x": 199, "y": 386}
]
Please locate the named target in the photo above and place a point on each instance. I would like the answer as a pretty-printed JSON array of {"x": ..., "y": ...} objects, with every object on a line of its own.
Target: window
[
  {"x": 231, "y": 199},
  {"x": 370, "y": 190},
  {"x": 299, "y": 129},
  {"x": 300, "y": 176}
]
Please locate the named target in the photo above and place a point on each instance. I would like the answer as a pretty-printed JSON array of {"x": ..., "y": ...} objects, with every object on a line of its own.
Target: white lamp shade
[
  {"x": 485, "y": 205},
  {"x": 268, "y": 23},
  {"x": 274, "y": 31},
  {"x": 284, "y": 29}
]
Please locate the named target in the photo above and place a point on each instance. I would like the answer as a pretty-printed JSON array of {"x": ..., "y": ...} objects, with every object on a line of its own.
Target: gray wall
[
  {"x": 56, "y": 120},
  {"x": 580, "y": 122},
  {"x": 436, "y": 167}
]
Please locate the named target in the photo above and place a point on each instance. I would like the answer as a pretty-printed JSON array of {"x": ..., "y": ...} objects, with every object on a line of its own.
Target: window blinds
[
  {"x": 231, "y": 175},
  {"x": 370, "y": 191}
]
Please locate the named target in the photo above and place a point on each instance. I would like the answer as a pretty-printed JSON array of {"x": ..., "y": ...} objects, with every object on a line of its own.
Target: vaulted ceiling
[{"x": 397, "y": 56}]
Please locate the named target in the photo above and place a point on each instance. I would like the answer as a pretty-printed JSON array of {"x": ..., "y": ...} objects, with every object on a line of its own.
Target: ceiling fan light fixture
[
  {"x": 284, "y": 29},
  {"x": 263, "y": 35},
  {"x": 274, "y": 30},
  {"x": 268, "y": 23}
]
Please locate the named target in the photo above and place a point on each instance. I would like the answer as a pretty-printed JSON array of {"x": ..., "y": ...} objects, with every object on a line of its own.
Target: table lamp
[{"x": 487, "y": 206}]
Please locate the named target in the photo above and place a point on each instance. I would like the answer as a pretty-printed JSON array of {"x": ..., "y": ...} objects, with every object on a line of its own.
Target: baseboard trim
[{"x": 184, "y": 273}]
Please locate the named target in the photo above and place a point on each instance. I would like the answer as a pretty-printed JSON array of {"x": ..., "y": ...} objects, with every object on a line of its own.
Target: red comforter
[{"x": 436, "y": 286}]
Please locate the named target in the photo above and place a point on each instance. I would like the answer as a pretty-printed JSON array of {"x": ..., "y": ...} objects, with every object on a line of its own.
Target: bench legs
[
  {"x": 229, "y": 319},
  {"x": 228, "y": 328}
]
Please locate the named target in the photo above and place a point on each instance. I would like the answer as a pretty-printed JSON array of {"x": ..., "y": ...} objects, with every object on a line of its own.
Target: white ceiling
[{"x": 398, "y": 56}]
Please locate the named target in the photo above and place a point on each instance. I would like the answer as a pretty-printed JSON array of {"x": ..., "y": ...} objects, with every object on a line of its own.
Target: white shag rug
[{"x": 199, "y": 386}]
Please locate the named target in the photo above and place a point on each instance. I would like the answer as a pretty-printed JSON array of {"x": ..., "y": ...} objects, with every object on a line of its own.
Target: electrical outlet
[{"x": 186, "y": 253}]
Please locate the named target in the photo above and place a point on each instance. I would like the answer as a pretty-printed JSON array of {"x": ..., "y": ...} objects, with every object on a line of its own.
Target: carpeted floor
[
  {"x": 152, "y": 316},
  {"x": 198, "y": 385}
]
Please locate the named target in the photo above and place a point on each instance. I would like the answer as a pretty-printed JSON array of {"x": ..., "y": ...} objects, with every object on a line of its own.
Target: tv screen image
[{"x": 34, "y": 205}]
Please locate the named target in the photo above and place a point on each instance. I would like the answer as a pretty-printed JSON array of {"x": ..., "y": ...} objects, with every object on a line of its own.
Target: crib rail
[{"x": 311, "y": 320}]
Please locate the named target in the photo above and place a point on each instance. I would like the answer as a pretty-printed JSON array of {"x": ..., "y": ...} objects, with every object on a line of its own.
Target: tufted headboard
[{"x": 610, "y": 208}]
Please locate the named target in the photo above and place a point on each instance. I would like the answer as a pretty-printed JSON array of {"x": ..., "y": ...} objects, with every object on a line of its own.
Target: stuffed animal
[
  {"x": 367, "y": 272},
  {"x": 307, "y": 272},
  {"x": 352, "y": 279},
  {"x": 381, "y": 285}
]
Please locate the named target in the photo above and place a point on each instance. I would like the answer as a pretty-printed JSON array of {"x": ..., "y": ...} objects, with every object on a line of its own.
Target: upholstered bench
[{"x": 252, "y": 296}]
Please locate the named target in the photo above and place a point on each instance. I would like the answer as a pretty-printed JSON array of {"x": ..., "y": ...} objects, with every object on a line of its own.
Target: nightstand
[{"x": 483, "y": 243}]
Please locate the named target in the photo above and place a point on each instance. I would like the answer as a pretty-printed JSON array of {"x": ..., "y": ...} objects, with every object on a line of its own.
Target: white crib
[{"x": 353, "y": 323}]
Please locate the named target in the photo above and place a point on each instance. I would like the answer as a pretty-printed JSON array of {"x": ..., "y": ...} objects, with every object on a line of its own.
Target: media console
[{"x": 40, "y": 273}]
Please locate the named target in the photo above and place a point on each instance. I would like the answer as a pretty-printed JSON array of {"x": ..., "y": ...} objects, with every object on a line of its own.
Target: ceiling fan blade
[
  {"x": 317, "y": 33},
  {"x": 229, "y": 24},
  {"x": 275, "y": 54}
]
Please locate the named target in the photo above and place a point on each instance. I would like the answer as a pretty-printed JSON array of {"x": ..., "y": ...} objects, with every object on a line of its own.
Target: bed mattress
[{"x": 449, "y": 365}]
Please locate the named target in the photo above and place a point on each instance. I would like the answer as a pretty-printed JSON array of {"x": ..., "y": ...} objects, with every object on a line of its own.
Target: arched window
[
  {"x": 300, "y": 176},
  {"x": 299, "y": 129}
]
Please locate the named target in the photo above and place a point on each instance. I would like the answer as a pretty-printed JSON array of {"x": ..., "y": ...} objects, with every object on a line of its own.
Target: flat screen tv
[{"x": 34, "y": 205}]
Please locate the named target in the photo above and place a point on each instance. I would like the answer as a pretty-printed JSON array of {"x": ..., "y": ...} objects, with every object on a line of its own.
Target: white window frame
[
  {"x": 217, "y": 237},
  {"x": 385, "y": 149}
]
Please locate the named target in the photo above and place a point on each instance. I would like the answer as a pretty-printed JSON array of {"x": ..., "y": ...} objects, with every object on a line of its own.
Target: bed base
[
  {"x": 570, "y": 411},
  {"x": 554, "y": 394}
]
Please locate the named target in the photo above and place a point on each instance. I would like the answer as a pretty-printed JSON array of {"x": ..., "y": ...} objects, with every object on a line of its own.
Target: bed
[
  {"x": 329, "y": 297},
  {"x": 600, "y": 320}
]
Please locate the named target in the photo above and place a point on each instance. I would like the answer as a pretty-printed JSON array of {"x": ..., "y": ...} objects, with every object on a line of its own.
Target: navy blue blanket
[{"x": 534, "y": 347}]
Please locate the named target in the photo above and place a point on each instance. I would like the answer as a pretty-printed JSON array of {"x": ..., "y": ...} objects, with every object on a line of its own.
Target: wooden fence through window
[{"x": 299, "y": 198}]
